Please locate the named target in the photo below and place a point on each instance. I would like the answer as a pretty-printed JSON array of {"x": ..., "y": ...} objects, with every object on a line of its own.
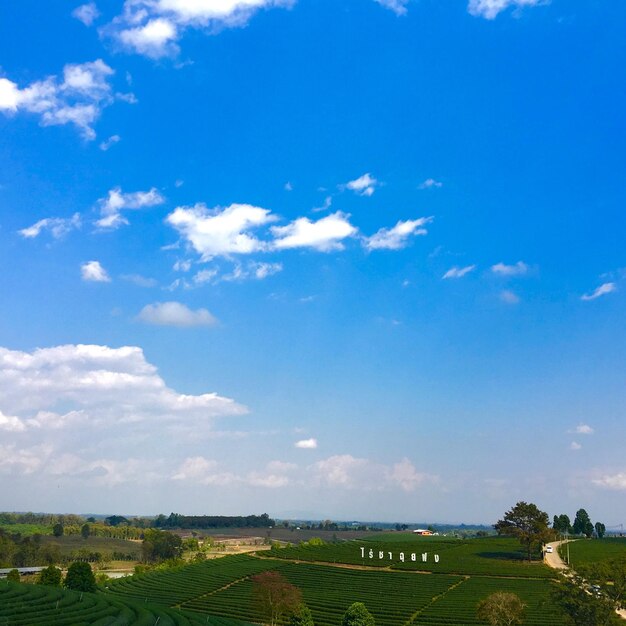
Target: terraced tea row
[
  {"x": 587, "y": 551},
  {"x": 328, "y": 591},
  {"x": 35, "y": 605},
  {"x": 493, "y": 556}
]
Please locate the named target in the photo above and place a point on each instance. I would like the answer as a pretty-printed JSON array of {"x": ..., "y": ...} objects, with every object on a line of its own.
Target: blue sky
[{"x": 354, "y": 259}]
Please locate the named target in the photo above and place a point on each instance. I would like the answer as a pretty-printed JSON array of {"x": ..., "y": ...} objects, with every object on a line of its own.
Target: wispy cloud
[
  {"x": 306, "y": 444},
  {"x": 363, "y": 185},
  {"x": 398, "y": 236},
  {"x": 140, "y": 281},
  {"x": 490, "y": 9},
  {"x": 77, "y": 99},
  {"x": 175, "y": 314},
  {"x": 430, "y": 183},
  {"x": 616, "y": 482},
  {"x": 153, "y": 28},
  {"x": 509, "y": 297},
  {"x": 86, "y": 13},
  {"x": 459, "y": 272},
  {"x": 575, "y": 446},
  {"x": 92, "y": 271},
  {"x": 582, "y": 429},
  {"x": 110, "y": 142},
  {"x": 324, "y": 235},
  {"x": 57, "y": 226},
  {"x": 517, "y": 269},
  {"x": 602, "y": 290},
  {"x": 117, "y": 201},
  {"x": 397, "y": 6}
]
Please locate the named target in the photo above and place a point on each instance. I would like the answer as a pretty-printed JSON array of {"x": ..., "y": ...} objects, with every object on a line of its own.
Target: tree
[
  {"x": 160, "y": 545},
  {"x": 50, "y": 576},
  {"x": 57, "y": 530},
  {"x": 79, "y": 577},
  {"x": 501, "y": 609},
  {"x": 600, "y": 529},
  {"x": 610, "y": 576},
  {"x": 526, "y": 522},
  {"x": 274, "y": 596},
  {"x": 580, "y": 607},
  {"x": 358, "y": 615},
  {"x": 582, "y": 524},
  {"x": 85, "y": 530},
  {"x": 13, "y": 576},
  {"x": 302, "y": 616},
  {"x": 562, "y": 524}
]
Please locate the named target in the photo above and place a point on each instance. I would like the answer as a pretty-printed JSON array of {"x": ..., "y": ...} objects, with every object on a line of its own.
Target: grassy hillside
[
  {"x": 224, "y": 587},
  {"x": 588, "y": 551}
]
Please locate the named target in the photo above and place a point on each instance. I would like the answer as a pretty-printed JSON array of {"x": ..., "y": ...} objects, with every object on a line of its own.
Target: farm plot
[
  {"x": 589, "y": 551},
  {"x": 35, "y": 605},
  {"x": 328, "y": 591},
  {"x": 458, "y": 606},
  {"x": 174, "y": 587},
  {"x": 495, "y": 556}
]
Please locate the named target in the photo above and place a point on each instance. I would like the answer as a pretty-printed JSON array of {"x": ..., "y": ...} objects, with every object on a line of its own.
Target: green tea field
[{"x": 588, "y": 551}]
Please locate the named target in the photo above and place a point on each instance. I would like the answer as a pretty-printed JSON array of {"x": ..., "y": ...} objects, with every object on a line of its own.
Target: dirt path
[{"x": 554, "y": 561}]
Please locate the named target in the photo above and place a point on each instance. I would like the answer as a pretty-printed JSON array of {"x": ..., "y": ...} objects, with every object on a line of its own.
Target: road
[{"x": 554, "y": 561}]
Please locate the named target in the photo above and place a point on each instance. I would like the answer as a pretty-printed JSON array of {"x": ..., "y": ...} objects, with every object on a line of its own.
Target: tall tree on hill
[
  {"x": 274, "y": 596},
  {"x": 302, "y": 616},
  {"x": 582, "y": 523},
  {"x": 51, "y": 576},
  {"x": 580, "y": 607},
  {"x": 526, "y": 522},
  {"x": 562, "y": 524},
  {"x": 600, "y": 529},
  {"x": 80, "y": 577}
]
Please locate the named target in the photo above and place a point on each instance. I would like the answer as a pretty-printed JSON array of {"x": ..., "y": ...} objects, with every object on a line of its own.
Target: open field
[
  {"x": 489, "y": 556},
  {"x": 224, "y": 587},
  {"x": 35, "y": 605},
  {"x": 106, "y": 545},
  {"x": 589, "y": 551},
  {"x": 280, "y": 533},
  {"x": 27, "y": 530}
]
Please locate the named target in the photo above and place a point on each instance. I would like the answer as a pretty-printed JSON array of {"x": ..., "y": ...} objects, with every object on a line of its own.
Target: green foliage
[
  {"x": 85, "y": 531},
  {"x": 315, "y": 541},
  {"x": 358, "y": 615},
  {"x": 589, "y": 552},
  {"x": 526, "y": 522},
  {"x": 600, "y": 529},
  {"x": 302, "y": 616},
  {"x": 582, "y": 608},
  {"x": 561, "y": 524},
  {"x": 610, "y": 577},
  {"x": 274, "y": 596},
  {"x": 57, "y": 530},
  {"x": 13, "y": 576},
  {"x": 51, "y": 576},
  {"x": 501, "y": 609},
  {"x": 160, "y": 545},
  {"x": 582, "y": 524},
  {"x": 80, "y": 577}
]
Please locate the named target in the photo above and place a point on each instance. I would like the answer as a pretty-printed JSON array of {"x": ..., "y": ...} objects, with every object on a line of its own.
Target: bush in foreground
[
  {"x": 358, "y": 615},
  {"x": 501, "y": 609}
]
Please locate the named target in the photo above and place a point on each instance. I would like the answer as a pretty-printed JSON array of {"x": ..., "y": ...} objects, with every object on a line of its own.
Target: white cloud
[
  {"x": 350, "y": 472},
  {"x": 117, "y": 201},
  {"x": 288, "y": 186},
  {"x": 582, "y": 429},
  {"x": 397, "y": 237},
  {"x": 324, "y": 235},
  {"x": 11, "y": 423},
  {"x": 615, "y": 482},
  {"x": 508, "y": 296},
  {"x": 518, "y": 269},
  {"x": 489, "y": 9},
  {"x": 263, "y": 270},
  {"x": 430, "y": 183},
  {"x": 306, "y": 444},
  {"x": 195, "y": 468},
  {"x": 140, "y": 281},
  {"x": 94, "y": 272},
  {"x": 575, "y": 446},
  {"x": 602, "y": 290},
  {"x": 78, "y": 99},
  {"x": 58, "y": 226},
  {"x": 108, "y": 143},
  {"x": 220, "y": 232},
  {"x": 153, "y": 27},
  {"x": 363, "y": 186},
  {"x": 459, "y": 272},
  {"x": 397, "y": 6},
  {"x": 175, "y": 314},
  {"x": 86, "y": 13}
]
